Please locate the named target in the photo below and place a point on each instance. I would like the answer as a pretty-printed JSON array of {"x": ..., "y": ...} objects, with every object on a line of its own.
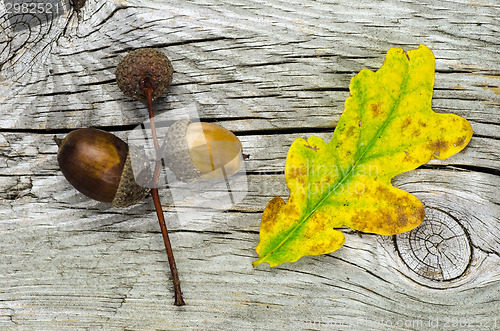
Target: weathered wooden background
[{"x": 271, "y": 71}]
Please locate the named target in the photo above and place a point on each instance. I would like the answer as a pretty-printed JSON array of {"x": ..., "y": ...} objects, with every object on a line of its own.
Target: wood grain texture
[{"x": 271, "y": 71}]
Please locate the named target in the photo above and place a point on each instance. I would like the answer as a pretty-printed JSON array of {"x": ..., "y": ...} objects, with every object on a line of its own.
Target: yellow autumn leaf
[{"x": 387, "y": 127}]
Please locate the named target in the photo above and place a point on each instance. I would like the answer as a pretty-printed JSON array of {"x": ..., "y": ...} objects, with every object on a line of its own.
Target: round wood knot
[
  {"x": 439, "y": 249},
  {"x": 29, "y": 31}
]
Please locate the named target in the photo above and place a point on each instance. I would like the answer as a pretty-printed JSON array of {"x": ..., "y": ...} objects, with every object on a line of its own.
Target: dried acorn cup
[
  {"x": 201, "y": 150},
  {"x": 145, "y": 74},
  {"x": 97, "y": 163},
  {"x": 141, "y": 67}
]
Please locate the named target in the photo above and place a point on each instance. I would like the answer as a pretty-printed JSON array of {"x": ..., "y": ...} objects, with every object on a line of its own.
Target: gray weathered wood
[{"x": 270, "y": 71}]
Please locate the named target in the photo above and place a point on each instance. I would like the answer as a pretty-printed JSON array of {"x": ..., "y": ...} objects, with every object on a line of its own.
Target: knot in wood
[
  {"x": 78, "y": 4},
  {"x": 28, "y": 34},
  {"x": 439, "y": 249}
]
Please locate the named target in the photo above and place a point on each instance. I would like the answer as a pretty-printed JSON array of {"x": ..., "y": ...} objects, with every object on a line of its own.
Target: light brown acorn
[
  {"x": 97, "y": 163},
  {"x": 201, "y": 150}
]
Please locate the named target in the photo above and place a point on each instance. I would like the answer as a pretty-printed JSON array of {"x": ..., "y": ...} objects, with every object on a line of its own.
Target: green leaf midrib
[{"x": 348, "y": 174}]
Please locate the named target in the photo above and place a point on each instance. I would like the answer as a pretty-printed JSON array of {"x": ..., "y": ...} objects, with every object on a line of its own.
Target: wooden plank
[
  {"x": 272, "y": 72},
  {"x": 87, "y": 258}
]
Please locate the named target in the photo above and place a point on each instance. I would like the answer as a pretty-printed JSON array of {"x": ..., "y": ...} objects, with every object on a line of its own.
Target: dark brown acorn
[{"x": 97, "y": 163}]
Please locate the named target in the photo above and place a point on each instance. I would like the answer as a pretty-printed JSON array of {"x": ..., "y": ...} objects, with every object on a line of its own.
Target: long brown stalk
[{"x": 179, "y": 301}]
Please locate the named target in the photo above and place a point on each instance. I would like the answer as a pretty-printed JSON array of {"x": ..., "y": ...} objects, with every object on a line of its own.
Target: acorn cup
[{"x": 144, "y": 66}]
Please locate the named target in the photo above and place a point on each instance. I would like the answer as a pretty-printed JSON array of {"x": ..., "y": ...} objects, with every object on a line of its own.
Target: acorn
[
  {"x": 141, "y": 66},
  {"x": 201, "y": 150},
  {"x": 97, "y": 163}
]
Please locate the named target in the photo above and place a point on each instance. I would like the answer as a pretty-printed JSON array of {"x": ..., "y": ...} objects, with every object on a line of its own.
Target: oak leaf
[{"x": 387, "y": 127}]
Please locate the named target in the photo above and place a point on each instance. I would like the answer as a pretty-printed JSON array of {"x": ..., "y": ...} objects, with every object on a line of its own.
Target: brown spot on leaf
[
  {"x": 438, "y": 146},
  {"x": 409, "y": 159},
  {"x": 303, "y": 171},
  {"x": 466, "y": 126},
  {"x": 407, "y": 57},
  {"x": 270, "y": 214},
  {"x": 376, "y": 109},
  {"x": 314, "y": 148},
  {"x": 387, "y": 221},
  {"x": 460, "y": 141},
  {"x": 383, "y": 192},
  {"x": 402, "y": 217},
  {"x": 422, "y": 123},
  {"x": 406, "y": 123},
  {"x": 413, "y": 216},
  {"x": 294, "y": 172},
  {"x": 407, "y": 217}
]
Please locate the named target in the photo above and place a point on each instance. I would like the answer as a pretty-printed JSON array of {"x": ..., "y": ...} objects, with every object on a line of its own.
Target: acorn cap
[
  {"x": 176, "y": 151},
  {"x": 142, "y": 64},
  {"x": 128, "y": 192}
]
